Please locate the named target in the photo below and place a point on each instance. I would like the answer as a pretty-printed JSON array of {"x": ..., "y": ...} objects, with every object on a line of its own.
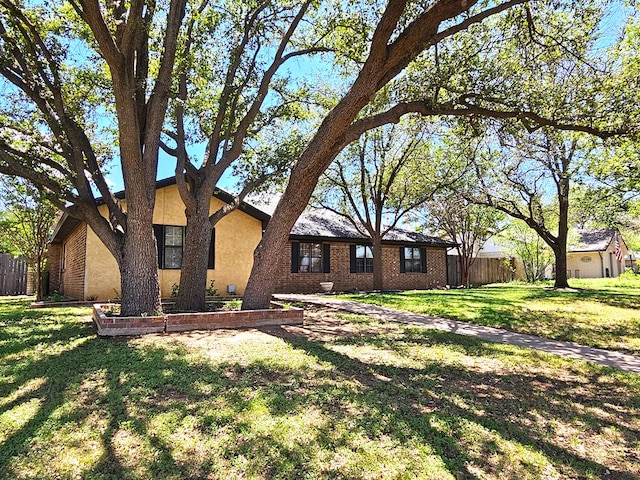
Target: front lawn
[
  {"x": 342, "y": 397},
  {"x": 602, "y": 313}
]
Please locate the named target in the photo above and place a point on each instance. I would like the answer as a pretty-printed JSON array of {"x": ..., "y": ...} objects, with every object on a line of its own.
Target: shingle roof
[
  {"x": 593, "y": 240},
  {"x": 328, "y": 225}
]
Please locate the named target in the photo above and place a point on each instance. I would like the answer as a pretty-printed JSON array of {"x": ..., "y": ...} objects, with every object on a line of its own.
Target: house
[
  {"x": 322, "y": 247},
  {"x": 325, "y": 247},
  {"x": 81, "y": 267},
  {"x": 593, "y": 254}
]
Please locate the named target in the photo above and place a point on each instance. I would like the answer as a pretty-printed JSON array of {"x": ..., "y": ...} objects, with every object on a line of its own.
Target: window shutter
[
  {"x": 158, "y": 231},
  {"x": 403, "y": 268},
  {"x": 352, "y": 259},
  {"x": 423, "y": 260},
  {"x": 326, "y": 258},
  {"x": 295, "y": 256},
  {"x": 212, "y": 251}
]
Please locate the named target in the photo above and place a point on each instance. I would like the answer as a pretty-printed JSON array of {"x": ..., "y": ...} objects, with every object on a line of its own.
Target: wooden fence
[
  {"x": 482, "y": 272},
  {"x": 13, "y": 275}
]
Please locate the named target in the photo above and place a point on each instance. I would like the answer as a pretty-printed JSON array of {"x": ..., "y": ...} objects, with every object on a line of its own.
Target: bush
[
  {"x": 211, "y": 290},
  {"x": 55, "y": 297}
]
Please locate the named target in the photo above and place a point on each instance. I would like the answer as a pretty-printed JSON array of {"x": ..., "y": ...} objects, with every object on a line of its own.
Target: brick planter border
[
  {"x": 116, "y": 325},
  {"x": 62, "y": 303},
  {"x": 182, "y": 322}
]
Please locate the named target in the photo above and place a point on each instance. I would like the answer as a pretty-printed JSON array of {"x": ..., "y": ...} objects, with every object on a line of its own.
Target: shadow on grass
[
  {"x": 154, "y": 410},
  {"x": 501, "y": 403},
  {"x": 533, "y": 310}
]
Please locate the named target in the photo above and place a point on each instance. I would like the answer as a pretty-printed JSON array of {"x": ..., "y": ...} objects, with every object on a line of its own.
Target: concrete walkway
[{"x": 620, "y": 361}]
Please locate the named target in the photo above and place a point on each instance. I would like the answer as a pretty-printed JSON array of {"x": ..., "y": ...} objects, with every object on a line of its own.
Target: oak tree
[
  {"x": 382, "y": 178},
  {"x": 234, "y": 96},
  {"x": 444, "y": 58},
  {"x": 68, "y": 68}
]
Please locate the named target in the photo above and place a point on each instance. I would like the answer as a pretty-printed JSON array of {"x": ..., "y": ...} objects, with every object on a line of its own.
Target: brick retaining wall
[{"x": 181, "y": 322}]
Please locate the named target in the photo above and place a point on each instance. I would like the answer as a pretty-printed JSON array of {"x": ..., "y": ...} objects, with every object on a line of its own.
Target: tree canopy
[
  {"x": 535, "y": 63},
  {"x": 25, "y": 225},
  {"x": 84, "y": 81}
]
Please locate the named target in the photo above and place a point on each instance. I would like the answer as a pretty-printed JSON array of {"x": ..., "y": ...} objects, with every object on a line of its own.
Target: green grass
[
  {"x": 602, "y": 313},
  {"x": 343, "y": 397}
]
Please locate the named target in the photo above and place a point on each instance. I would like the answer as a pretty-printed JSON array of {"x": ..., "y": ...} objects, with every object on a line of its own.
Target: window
[
  {"x": 361, "y": 259},
  {"x": 170, "y": 240},
  {"x": 310, "y": 257},
  {"x": 310, "y": 260},
  {"x": 173, "y": 241},
  {"x": 413, "y": 260}
]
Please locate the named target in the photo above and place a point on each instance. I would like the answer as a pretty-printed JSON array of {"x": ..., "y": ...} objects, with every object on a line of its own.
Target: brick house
[
  {"x": 325, "y": 247},
  {"x": 322, "y": 247}
]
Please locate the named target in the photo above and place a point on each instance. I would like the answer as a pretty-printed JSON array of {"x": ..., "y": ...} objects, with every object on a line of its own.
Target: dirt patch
[{"x": 320, "y": 324}]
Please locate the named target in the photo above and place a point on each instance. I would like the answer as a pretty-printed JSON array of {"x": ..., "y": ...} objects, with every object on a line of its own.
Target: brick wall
[
  {"x": 55, "y": 265},
  {"x": 75, "y": 253},
  {"x": 343, "y": 280}
]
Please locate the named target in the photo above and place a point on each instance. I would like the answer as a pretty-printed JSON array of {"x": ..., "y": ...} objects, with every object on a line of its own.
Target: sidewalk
[{"x": 618, "y": 360}]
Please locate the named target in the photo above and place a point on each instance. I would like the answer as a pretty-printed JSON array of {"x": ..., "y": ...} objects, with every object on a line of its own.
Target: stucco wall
[
  {"x": 237, "y": 235},
  {"x": 585, "y": 265},
  {"x": 594, "y": 264},
  {"x": 343, "y": 280}
]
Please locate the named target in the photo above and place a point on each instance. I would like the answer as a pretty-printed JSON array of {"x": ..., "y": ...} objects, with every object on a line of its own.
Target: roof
[
  {"x": 313, "y": 224},
  {"x": 326, "y": 225},
  {"x": 66, "y": 224},
  {"x": 593, "y": 240}
]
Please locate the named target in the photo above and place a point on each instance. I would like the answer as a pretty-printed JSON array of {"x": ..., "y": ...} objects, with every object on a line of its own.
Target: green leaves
[{"x": 25, "y": 223}]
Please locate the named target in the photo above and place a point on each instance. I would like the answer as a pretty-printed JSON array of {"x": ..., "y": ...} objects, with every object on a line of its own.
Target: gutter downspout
[{"x": 601, "y": 265}]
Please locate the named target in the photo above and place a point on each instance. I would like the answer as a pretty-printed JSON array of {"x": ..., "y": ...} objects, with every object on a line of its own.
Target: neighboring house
[
  {"x": 593, "y": 255},
  {"x": 81, "y": 267},
  {"x": 325, "y": 247},
  {"x": 322, "y": 247}
]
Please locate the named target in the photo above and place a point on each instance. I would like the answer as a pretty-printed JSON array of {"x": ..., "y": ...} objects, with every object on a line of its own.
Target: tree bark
[
  {"x": 560, "y": 249},
  {"x": 195, "y": 259},
  {"x": 378, "y": 282},
  {"x": 38, "y": 281},
  {"x": 561, "y": 280},
  {"x": 464, "y": 271},
  {"x": 139, "y": 266}
]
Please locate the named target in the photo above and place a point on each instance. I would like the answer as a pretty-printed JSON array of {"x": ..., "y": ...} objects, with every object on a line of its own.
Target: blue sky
[{"x": 611, "y": 28}]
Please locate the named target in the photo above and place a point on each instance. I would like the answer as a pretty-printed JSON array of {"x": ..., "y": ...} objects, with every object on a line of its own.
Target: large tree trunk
[
  {"x": 139, "y": 263},
  {"x": 377, "y": 264},
  {"x": 387, "y": 58},
  {"x": 271, "y": 249},
  {"x": 304, "y": 176},
  {"x": 195, "y": 259},
  {"x": 561, "y": 268}
]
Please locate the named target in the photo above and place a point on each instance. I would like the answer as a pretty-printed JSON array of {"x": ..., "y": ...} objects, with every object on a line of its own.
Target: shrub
[{"x": 211, "y": 290}]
